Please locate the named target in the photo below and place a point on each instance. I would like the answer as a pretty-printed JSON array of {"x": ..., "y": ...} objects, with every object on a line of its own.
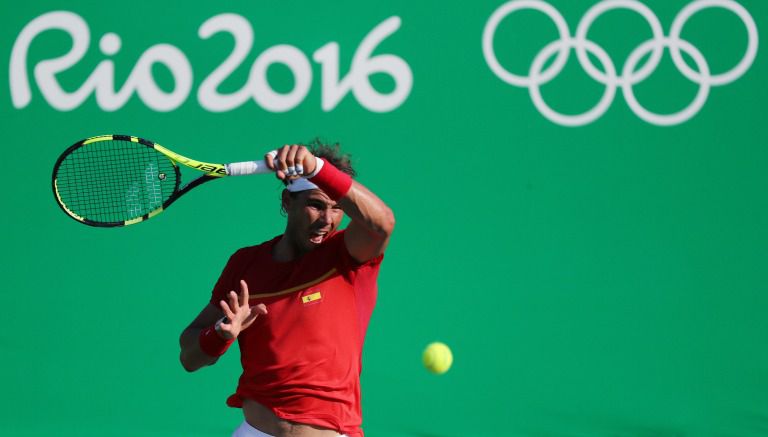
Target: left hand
[
  {"x": 240, "y": 315},
  {"x": 291, "y": 162}
]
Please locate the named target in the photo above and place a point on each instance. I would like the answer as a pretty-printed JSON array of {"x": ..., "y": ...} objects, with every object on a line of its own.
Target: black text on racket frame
[{"x": 120, "y": 180}]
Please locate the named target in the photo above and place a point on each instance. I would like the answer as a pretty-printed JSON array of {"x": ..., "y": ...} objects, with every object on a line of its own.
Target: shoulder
[
  {"x": 250, "y": 252},
  {"x": 337, "y": 245},
  {"x": 334, "y": 245}
]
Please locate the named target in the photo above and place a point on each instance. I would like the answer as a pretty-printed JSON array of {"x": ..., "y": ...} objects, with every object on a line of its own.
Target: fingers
[
  {"x": 227, "y": 311},
  {"x": 259, "y": 309},
  {"x": 280, "y": 167},
  {"x": 299, "y": 159},
  {"x": 269, "y": 157},
  {"x": 240, "y": 315},
  {"x": 233, "y": 301},
  {"x": 290, "y": 161},
  {"x": 243, "y": 293},
  {"x": 256, "y": 311}
]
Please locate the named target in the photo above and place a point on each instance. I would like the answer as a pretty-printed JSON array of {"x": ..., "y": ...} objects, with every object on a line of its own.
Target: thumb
[
  {"x": 260, "y": 309},
  {"x": 256, "y": 311}
]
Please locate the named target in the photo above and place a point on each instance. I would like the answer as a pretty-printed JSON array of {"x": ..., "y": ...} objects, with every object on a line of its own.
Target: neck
[{"x": 285, "y": 250}]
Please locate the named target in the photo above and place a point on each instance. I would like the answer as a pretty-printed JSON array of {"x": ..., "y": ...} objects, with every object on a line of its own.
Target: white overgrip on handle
[{"x": 247, "y": 167}]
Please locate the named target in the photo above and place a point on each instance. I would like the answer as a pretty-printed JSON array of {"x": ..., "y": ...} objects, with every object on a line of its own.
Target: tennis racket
[{"x": 120, "y": 180}]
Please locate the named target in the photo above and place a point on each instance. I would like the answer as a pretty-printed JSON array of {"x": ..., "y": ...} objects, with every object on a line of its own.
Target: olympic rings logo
[{"x": 630, "y": 75}]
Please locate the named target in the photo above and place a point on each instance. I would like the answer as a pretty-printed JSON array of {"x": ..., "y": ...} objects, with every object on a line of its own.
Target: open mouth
[{"x": 317, "y": 237}]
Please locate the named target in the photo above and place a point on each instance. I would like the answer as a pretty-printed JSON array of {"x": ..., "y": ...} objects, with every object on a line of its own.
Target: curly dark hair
[{"x": 333, "y": 154}]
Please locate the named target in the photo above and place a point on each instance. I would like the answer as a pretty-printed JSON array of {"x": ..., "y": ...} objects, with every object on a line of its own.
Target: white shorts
[{"x": 246, "y": 430}]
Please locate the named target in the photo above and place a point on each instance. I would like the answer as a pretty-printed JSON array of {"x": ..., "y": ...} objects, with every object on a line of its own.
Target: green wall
[{"x": 607, "y": 278}]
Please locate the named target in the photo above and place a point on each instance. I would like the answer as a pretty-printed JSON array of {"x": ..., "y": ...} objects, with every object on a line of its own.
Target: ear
[{"x": 285, "y": 201}]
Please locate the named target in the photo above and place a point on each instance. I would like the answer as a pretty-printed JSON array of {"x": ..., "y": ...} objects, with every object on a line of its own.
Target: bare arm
[
  {"x": 371, "y": 224},
  {"x": 192, "y": 357}
]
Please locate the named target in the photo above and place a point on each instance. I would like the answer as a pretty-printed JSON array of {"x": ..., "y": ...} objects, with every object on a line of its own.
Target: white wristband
[
  {"x": 218, "y": 324},
  {"x": 318, "y": 166}
]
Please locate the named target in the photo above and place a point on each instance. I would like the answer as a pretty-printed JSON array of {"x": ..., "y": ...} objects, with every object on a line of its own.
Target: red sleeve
[
  {"x": 229, "y": 278},
  {"x": 364, "y": 277},
  {"x": 347, "y": 265}
]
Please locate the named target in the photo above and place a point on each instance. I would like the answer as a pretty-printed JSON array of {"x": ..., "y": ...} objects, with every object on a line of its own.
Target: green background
[{"x": 608, "y": 279}]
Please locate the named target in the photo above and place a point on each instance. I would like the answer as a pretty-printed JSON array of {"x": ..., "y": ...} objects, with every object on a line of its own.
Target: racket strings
[{"x": 115, "y": 181}]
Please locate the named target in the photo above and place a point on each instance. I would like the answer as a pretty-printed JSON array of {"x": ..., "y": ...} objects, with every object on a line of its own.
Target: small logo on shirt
[{"x": 311, "y": 298}]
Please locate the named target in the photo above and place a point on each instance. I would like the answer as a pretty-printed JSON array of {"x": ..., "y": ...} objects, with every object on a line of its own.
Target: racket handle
[{"x": 246, "y": 168}]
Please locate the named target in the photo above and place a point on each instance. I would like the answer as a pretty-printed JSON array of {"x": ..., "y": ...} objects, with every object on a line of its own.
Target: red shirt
[{"x": 303, "y": 359}]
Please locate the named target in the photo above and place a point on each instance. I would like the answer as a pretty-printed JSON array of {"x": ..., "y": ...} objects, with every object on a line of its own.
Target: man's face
[{"x": 312, "y": 217}]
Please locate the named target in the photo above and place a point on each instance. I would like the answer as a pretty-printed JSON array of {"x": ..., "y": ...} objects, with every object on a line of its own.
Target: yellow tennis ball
[{"x": 437, "y": 357}]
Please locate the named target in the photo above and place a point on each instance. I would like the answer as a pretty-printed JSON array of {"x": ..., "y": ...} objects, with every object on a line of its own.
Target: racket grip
[{"x": 247, "y": 167}]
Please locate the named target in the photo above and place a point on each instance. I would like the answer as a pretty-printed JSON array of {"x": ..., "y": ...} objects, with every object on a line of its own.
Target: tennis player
[{"x": 299, "y": 304}]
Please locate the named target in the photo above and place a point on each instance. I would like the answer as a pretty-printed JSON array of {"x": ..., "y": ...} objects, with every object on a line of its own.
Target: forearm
[
  {"x": 192, "y": 356},
  {"x": 371, "y": 225},
  {"x": 368, "y": 211}
]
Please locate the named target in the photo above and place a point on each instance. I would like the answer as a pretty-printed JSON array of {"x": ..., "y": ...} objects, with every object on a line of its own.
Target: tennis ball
[{"x": 437, "y": 358}]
